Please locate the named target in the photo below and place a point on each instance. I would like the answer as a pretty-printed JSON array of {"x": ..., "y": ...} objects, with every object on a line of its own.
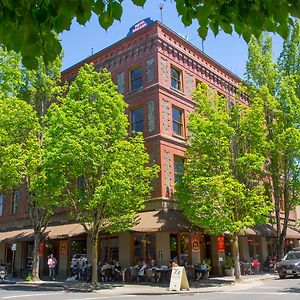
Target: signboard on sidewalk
[{"x": 178, "y": 279}]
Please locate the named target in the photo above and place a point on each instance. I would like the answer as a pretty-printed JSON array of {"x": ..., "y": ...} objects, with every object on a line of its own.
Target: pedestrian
[{"x": 52, "y": 262}]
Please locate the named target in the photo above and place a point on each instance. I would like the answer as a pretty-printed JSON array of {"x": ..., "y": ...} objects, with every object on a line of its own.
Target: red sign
[
  {"x": 42, "y": 248},
  {"x": 221, "y": 244}
]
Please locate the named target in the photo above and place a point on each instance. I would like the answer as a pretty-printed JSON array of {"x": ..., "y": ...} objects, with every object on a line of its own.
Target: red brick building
[{"x": 156, "y": 70}]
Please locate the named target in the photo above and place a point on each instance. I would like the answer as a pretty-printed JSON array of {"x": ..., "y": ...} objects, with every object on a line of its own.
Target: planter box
[{"x": 229, "y": 272}]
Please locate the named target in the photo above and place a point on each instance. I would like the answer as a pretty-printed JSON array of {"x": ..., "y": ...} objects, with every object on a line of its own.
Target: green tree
[
  {"x": 18, "y": 139},
  {"x": 29, "y": 27},
  {"x": 38, "y": 88},
  {"x": 222, "y": 188},
  {"x": 282, "y": 117},
  {"x": 10, "y": 73},
  {"x": 102, "y": 175}
]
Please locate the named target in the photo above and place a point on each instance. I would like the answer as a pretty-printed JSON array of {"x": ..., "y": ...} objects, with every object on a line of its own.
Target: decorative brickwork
[
  {"x": 150, "y": 70},
  {"x": 121, "y": 83},
  {"x": 164, "y": 70},
  {"x": 166, "y": 116},
  {"x": 151, "y": 115},
  {"x": 189, "y": 84}
]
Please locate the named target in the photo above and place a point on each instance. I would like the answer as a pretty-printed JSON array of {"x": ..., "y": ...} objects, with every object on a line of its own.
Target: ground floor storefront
[{"x": 158, "y": 235}]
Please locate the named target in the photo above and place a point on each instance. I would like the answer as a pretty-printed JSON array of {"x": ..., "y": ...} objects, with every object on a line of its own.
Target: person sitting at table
[
  {"x": 173, "y": 263},
  {"x": 201, "y": 269},
  {"x": 155, "y": 269},
  {"x": 118, "y": 271},
  {"x": 106, "y": 272},
  {"x": 142, "y": 266}
]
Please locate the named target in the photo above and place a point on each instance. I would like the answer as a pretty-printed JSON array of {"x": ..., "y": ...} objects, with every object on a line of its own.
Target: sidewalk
[{"x": 215, "y": 284}]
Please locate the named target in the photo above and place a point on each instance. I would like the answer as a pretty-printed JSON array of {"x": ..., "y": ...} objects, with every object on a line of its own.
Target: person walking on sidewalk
[{"x": 52, "y": 262}]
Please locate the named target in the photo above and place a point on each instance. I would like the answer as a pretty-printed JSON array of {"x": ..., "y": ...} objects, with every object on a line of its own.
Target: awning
[
  {"x": 292, "y": 233},
  {"x": 269, "y": 230},
  {"x": 64, "y": 231},
  {"x": 166, "y": 221},
  {"x": 53, "y": 232},
  {"x": 266, "y": 230},
  {"x": 16, "y": 235}
]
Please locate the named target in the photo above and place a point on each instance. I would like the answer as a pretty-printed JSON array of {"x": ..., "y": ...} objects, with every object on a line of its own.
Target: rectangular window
[
  {"x": 177, "y": 120},
  {"x": 136, "y": 120},
  {"x": 144, "y": 247},
  {"x": 178, "y": 168},
  {"x": 1, "y": 204},
  {"x": 176, "y": 79},
  {"x": 109, "y": 248},
  {"x": 136, "y": 78},
  {"x": 14, "y": 206}
]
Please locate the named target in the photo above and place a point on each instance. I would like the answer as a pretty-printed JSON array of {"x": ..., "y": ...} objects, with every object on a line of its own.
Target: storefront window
[
  {"x": 109, "y": 248},
  {"x": 78, "y": 247},
  {"x": 180, "y": 247},
  {"x": 144, "y": 247},
  {"x": 250, "y": 247},
  {"x": 173, "y": 246}
]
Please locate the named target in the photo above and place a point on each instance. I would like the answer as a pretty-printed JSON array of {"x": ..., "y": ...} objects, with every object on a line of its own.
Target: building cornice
[{"x": 200, "y": 68}]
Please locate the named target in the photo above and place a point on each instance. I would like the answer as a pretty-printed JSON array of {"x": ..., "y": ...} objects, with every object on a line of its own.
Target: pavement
[{"x": 215, "y": 284}]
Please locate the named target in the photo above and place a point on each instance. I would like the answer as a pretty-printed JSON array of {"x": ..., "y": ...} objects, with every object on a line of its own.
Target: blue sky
[{"x": 229, "y": 50}]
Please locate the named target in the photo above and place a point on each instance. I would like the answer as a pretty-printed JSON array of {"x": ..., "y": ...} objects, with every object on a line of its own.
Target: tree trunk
[
  {"x": 36, "y": 257},
  {"x": 236, "y": 257},
  {"x": 94, "y": 239}
]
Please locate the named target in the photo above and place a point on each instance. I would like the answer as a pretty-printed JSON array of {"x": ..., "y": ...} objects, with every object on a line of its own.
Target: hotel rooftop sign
[{"x": 139, "y": 25}]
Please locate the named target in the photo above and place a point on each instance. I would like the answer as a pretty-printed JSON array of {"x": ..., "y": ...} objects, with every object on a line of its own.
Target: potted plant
[{"x": 228, "y": 266}]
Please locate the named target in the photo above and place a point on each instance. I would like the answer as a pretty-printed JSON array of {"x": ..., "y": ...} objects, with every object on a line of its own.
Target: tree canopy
[
  {"x": 30, "y": 26},
  {"x": 280, "y": 83},
  {"x": 101, "y": 173},
  {"x": 222, "y": 188},
  {"x": 25, "y": 96}
]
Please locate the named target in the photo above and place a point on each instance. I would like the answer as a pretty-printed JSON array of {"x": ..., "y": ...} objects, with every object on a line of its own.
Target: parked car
[{"x": 290, "y": 265}]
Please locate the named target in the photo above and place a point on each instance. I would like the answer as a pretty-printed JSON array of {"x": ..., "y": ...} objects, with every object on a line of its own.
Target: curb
[{"x": 124, "y": 290}]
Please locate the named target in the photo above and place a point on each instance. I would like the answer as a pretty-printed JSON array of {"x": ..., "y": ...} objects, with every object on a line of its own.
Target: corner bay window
[
  {"x": 136, "y": 120},
  {"x": 177, "y": 121},
  {"x": 176, "y": 76},
  {"x": 178, "y": 168},
  {"x": 14, "y": 204},
  {"x": 136, "y": 78}
]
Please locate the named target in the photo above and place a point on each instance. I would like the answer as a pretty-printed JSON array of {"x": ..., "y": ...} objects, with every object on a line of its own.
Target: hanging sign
[
  {"x": 42, "y": 248},
  {"x": 139, "y": 25},
  {"x": 63, "y": 247},
  {"x": 178, "y": 279},
  {"x": 221, "y": 244},
  {"x": 195, "y": 243}
]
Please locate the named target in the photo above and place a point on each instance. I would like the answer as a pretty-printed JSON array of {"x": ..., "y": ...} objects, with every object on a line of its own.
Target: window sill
[
  {"x": 134, "y": 91},
  {"x": 180, "y": 137},
  {"x": 176, "y": 90}
]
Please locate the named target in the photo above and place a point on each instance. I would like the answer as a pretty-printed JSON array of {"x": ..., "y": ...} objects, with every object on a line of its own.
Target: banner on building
[
  {"x": 42, "y": 248},
  {"x": 221, "y": 244},
  {"x": 178, "y": 279}
]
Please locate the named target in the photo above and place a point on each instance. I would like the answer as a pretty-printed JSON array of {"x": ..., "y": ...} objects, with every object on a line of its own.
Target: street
[{"x": 267, "y": 289}]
